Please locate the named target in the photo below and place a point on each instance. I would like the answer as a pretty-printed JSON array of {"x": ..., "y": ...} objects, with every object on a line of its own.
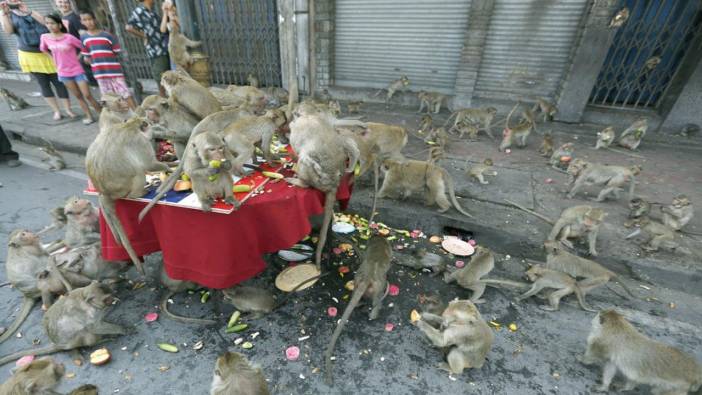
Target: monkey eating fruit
[
  {"x": 208, "y": 170},
  {"x": 469, "y": 277}
]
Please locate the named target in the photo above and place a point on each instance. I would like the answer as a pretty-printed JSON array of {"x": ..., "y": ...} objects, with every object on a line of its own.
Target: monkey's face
[
  {"x": 45, "y": 371},
  {"x": 21, "y": 238},
  {"x": 98, "y": 295},
  {"x": 488, "y": 162},
  {"x": 405, "y": 80},
  {"x": 76, "y": 206},
  {"x": 594, "y": 218},
  {"x": 228, "y": 363},
  {"x": 534, "y": 273}
]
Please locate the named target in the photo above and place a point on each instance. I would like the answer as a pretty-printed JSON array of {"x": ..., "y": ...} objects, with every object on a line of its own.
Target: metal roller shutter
[
  {"x": 376, "y": 41},
  {"x": 8, "y": 43},
  {"x": 528, "y": 48}
]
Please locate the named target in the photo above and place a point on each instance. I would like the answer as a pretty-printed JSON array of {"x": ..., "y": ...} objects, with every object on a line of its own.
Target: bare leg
[
  {"x": 66, "y": 103},
  {"x": 535, "y": 288},
  {"x": 51, "y": 101},
  {"x": 75, "y": 91},
  {"x": 555, "y": 299},
  {"x": 85, "y": 91},
  {"x": 478, "y": 290}
]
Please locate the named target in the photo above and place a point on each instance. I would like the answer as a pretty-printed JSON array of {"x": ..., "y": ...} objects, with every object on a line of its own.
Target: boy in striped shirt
[{"x": 100, "y": 50}]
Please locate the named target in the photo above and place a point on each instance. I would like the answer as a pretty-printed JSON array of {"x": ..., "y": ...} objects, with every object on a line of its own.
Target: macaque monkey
[
  {"x": 38, "y": 377},
  {"x": 576, "y": 222},
  {"x": 257, "y": 129},
  {"x": 226, "y": 98},
  {"x": 593, "y": 274},
  {"x": 423, "y": 260},
  {"x": 233, "y": 374},
  {"x": 377, "y": 142},
  {"x": 117, "y": 161},
  {"x": 85, "y": 389},
  {"x": 323, "y": 157},
  {"x": 469, "y": 129},
  {"x": 690, "y": 130},
  {"x": 370, "y": 282},
  {"x": 174, "y": 287},
  {"x": 431, "y": 100},
  {"x": 546, "y": 148},
  {"x": 51, "y": 282},
  {"x": 82, "y": 223},
  {"x": 469, "y": 276},
  {"x": 178, "y": 46},
  {"x": 219, "y": 121},
  {"x": 638, "y": 208},
  {"x": 334, "y": 107},
  {"x": 612, "y": 178},
  {"x": 462, "y": 332},
  {"x": 605, "y": 138},
  {"x": 253, "y": 97},
  {"x": 25, "y": 260},
  {"x": 575, "y": 168},
  {"x": 437, "y": 136},
  {"x": 75, "y": 321},
  {"x": 115, "y": 109},
  {"x": 476, "y": 116},
  {"x": 250, "y": 299},
  {"x": 564, "y": 151},
  {"x": 354, "y": 107},
  {"x": 679, "y": 213},
  {"x": 619, "y": 18},
  {"x": 516, "y": 135},
  {"x": 394, "y": 86},
  {"x": 252, "y": 80},
  {"x": 436, "y": 154},
  {"x": 275, "y": 96},
  {"x": 660, "y": 235},
  {"x": 632, "y": 136},
  {"x": 175, "y": 118},
  {"x": 480, "y": 170},
  {"x": 209, "y": 170},
  {"x": 13, "y": 101},
  {"x": 563, "y": 283},
  {"x": 402, "y": 178},
  {"x": 617, "y": 345},
  {"x": 432, "y": 303},
  {"x": 545, "y": 108},
  {"x": 425, "y": 123},
  {"x": 190, "y": 94},
  {"x": 53, "y": 157}
]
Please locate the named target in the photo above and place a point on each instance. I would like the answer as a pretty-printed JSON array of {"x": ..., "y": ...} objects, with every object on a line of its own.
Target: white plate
[
  {"x": 295, "y": 256},
  {"x": 343, "y": 227},
  {"x": 457, "y": 246}
]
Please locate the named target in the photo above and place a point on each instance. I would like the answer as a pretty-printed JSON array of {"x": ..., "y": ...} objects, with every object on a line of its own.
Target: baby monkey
[
  {"x": 209, "y": 170},
  {"x": 563, "y": 283},
  {"x": 546, "y": 148},
  {"x": 564, "y": 151},
  {"x": 605, "y": 138},
  {"x": 617, "y": 345},
  {"x": 38, "y": 377},
  {"x": 462, "y": 331},
  {"x": 52, "y": 157},
  {"x": 233, "y": 374},
  {"x": 480, "y": 170},
  {"x": 431, "y": 101},
  {"x": 679, "y": 213},
  {"x": 394, "y": 86}
]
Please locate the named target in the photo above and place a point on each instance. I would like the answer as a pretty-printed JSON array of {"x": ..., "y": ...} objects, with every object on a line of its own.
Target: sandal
[
  {"x": 57, "y": 116},
  {"x": 88, "y": 121}
]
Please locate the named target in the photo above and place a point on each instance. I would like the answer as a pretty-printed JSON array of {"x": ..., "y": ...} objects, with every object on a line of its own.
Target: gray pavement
[{"x": 538, "y": 358}]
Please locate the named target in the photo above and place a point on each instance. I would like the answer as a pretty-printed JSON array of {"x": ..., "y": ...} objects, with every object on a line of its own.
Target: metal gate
[
  {"x": 376, "y": 41},
  {"x": 8, "y": 42},
  {"x": 528, "y": 48},
  {"x": 647, "y": 52},
  {"x": 240, "y": 37}
]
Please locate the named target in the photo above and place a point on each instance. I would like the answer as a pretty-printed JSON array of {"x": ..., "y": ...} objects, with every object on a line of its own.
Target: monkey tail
[
  {"x": 497, "y": 283},
  {"x": 632, "y": 185},
  {"x": 32, "y": 351},
  {"x": 108, "y": 209},
  {"x": 328, "y": 212},
  {"x": 453, "y": 115},
  {"x": 355, "y": 298},
  {"x": 532, "y": 212},
  {"x": 452, "y": 193},
  {"x": 624, "y": 287},
  {"x": 179, "y": 318},
  {"x": 27, "y": 305},
  {"x": 165, "y": 187},
  {"x": 375, "y": 190},
  {"x": 510, "y": 115},
  {"x": 581, "y": 300}
]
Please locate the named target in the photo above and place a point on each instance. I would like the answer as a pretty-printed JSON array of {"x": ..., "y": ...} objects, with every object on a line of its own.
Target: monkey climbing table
[{"x": 220, "y": 250}]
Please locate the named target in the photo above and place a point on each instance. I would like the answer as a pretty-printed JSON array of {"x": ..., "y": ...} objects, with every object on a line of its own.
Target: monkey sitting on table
[{"x": 209, "y": 170}]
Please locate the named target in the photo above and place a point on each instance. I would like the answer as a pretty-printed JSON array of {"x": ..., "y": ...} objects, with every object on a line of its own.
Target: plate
[
  {"x": 343, "y": 227},
  {"x": 296, "y": 254},
  {"x": 457, "y": 246},
  {"x": 289, "y": 278}
]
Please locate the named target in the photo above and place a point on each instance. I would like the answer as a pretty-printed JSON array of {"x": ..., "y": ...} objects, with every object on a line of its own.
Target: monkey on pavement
[
  {"x": 593, "y": 274},
  {"x": 209, "y": 170},
  {"x": 117, "y": 161},
  {"x": 82, "y": 224},
  {"x": 517, "y": 134},
  {"x": 632, "y": 136},
  {"x": 605, "y": 138},
  {"x": 480, "y": 170},
  {"x": 474, "y": 116},
  {"x": 611, "y": 177},
  {"x": 431, "y": 100},
  {"x": 546, "y": 148},
  {"x": 576, "y": 222},
  {"x": 370, "y": 282},
  {"x": 38, "y": 377},
  {"x": 394, "y": 86},
  {"x": 75, "y": 321},
  {"x": 461, "y": 330},
  {"x": 679, "y": 213},
  {"x": 564, "y": 284},
  {"x": 617, "y": 345},
  {"x": 233, "y": 374},
  {"x": 659, "y": 234},
  {"x": 547, "y": 109},
  {"x": 25, "y": 260},
  {"x": 13, "y": 101},
  {"x": 402, "y": 178},
  {"x": 564, "y": 151},
  {"x": 469, "y": 277}
]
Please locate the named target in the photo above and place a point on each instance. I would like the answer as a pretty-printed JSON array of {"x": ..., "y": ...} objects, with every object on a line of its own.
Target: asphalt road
[{"x": 538, "y": 358}]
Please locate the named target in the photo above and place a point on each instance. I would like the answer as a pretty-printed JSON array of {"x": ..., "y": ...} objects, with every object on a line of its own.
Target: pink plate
[{"x": 457, "y": 246}]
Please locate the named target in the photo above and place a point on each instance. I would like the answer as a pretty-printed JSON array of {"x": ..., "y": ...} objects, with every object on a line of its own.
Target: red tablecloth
[{"x": 220, "y": 250}]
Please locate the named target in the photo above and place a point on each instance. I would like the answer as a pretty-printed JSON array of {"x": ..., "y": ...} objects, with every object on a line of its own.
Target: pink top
[{"x": 64, "y": 50}]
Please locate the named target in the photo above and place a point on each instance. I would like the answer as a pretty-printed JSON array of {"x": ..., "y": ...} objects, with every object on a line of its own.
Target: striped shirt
[{"x": 102, "y": 48}]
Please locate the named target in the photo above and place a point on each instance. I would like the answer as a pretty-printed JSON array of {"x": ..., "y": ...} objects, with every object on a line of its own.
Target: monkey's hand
[
  {"x": 226, "y": 165},
  {"x": 211, "y": 171}
]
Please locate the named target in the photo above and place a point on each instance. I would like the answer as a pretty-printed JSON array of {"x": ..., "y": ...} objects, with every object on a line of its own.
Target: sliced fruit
[
  {"x": 415, "y": 316},
  {"x": 100, "y": 356},
  {"x": 167, "y": 347},
  {"x": 181, "y": 185},
  {"x": 236, "y": 328},
  {"x": 241, "y": 188},
  {"x": 233, "y": 319},
  {"x": 272, "y": 174}
]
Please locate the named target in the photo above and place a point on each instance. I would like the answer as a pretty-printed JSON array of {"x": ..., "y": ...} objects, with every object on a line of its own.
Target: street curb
[{"x": 17, "y": 130}]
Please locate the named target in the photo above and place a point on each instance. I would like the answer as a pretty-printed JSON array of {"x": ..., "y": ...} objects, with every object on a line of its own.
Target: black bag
[{"x": 28, "y": 31}]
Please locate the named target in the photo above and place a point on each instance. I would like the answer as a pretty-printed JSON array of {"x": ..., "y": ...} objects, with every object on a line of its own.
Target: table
[{"x": 220, "y": 250}]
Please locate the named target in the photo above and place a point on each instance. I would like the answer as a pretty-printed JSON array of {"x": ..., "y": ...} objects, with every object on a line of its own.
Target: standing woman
[
  {"x": 28, "y": 26},
  {"x": 64, "y": 49}
]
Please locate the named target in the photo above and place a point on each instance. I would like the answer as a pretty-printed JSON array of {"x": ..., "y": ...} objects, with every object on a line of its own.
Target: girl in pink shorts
[
  {"x": 64, "y": 50},
  {"x": 100, "y": 50}
]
